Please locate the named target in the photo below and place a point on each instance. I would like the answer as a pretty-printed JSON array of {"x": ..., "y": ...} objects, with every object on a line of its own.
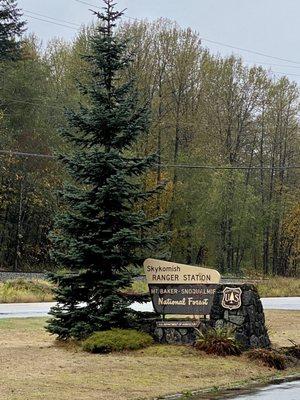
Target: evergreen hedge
[{"x": 116, "y": 340}]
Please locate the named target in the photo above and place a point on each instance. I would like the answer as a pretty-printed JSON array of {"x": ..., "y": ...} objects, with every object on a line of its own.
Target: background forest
[{"x": 227, "y": 137}]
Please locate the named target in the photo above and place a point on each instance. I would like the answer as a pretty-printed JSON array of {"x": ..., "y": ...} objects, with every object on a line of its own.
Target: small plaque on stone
[{"x": 178, "y": 324}]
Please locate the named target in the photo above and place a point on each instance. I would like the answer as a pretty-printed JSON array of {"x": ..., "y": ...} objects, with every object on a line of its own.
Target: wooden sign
[
  {"x": 232, "y": 298},
  {"x": 165, "y": 272},
  {"x": 182, "y": 299}
]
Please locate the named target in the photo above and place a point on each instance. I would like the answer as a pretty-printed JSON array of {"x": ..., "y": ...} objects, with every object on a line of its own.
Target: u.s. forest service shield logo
[{"x": 232, "y": 298}]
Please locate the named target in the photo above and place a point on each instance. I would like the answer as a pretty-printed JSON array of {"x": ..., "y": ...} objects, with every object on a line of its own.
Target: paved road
[
  {"x": 281, "y": 303},
  {"x": 41, "y": 309},
  {"x": 284, "y": 391},
  {"x": 24, "y": 310}
]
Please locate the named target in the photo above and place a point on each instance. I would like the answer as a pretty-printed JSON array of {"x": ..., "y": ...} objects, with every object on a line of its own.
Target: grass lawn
[{"x": 32, "y": 367}]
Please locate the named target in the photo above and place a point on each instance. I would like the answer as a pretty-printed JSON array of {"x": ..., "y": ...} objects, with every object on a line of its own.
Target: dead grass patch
[
  {"x": 283, "y": 325},
  {"x": 25, "y": 291},
  {"x": 36, "y": 290},
  {"x": 279, "y": 287},
  {"x": 33, "y": 367}
]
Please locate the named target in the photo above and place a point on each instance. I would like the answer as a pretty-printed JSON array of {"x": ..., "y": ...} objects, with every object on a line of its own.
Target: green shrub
[
  {"x": 116, "y": 340},
  {"x": 219, "y": 341},
  {"x": 269, "y": 357}
]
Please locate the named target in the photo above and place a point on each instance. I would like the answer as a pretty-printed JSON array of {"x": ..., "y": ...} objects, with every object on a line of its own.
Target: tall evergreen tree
[
  {"x": 11, "y": 29},
  {"x": 98, "y": 238}
]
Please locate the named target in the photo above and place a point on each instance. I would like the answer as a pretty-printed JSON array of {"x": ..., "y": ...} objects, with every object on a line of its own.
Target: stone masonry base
[{"x": 248, "y": 322}]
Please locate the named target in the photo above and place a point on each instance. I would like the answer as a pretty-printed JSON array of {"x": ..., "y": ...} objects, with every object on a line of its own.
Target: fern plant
[
  {"x": 269, "y": 357},
  {"x": 219, "y": 341}
]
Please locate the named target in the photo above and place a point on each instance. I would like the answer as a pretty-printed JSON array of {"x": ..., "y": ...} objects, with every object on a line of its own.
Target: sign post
[
  {"x": 183, "y": 290},
  {"x": 179, "y": 289}
]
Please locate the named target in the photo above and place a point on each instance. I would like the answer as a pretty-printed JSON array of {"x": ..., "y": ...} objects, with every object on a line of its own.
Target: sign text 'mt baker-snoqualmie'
[{"x": 184, "y": 298}]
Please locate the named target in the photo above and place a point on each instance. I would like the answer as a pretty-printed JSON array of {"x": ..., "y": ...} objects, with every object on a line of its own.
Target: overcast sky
[{"x": 265, "y": 26}]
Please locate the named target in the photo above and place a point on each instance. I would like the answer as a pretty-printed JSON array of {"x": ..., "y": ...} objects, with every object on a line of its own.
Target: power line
[
  {"x": 54, "y": 19},
  {"x": 50, "y": 22},
  {"x": 284, "y": 73},
  {"x": 22, "y": 154},
  {"x": 137, "y": 19},
  {"x": 87, "y": 4},
  {"x": 213, "y": 41},
  {"x": 275, "y": 72},
  {"x": 46, "y": 105},
  {"x": 271, "y": 64},
  {"x": 99, "y": 8},
  {"x": 188, "y": 166},
  {"x": 249, "y": 51}
]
